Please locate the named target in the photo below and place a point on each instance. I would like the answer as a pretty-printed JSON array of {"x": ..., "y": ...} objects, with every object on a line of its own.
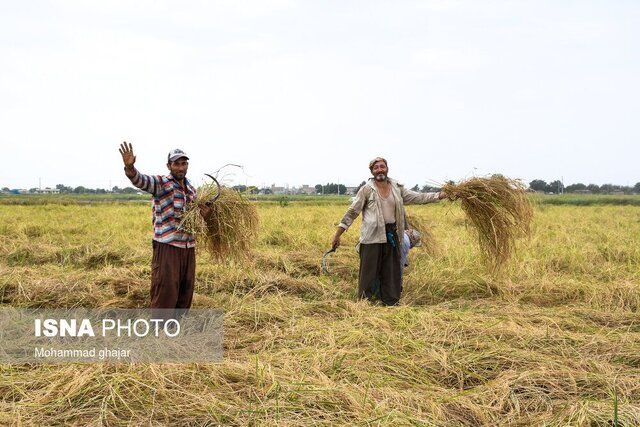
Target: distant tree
[
  {"x": 129, "y": 190},
  {"x": 636, "y": 188},
  {"x": 240, "y": 188},
  {"x": 63, "y": 188},
  {"x": 555, "y": 187},
  {"x": 593, "y": 188},
  {"x": 415, "y": 188},
  {"x": 79, "y": 190},
  {"x": 6, "y": 189},
  {"x": 318, "y": 188},
  {"x": 33, "y": 190},
  {"x": 116, "y": 189},
  {"x": 607, "y": 188},
  {"x": 538, "y": 185},
  {"x": 429, "y": 189},
  {"x": 575, "y": 187},
  {"x": 363, "y": 183}
]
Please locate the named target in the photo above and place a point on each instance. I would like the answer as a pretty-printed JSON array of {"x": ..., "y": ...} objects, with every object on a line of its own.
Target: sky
[{"x": 307, "y": 92}]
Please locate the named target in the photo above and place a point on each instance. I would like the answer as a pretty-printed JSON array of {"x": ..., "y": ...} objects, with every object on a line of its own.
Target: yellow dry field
[{"x": 555, "y": 340}]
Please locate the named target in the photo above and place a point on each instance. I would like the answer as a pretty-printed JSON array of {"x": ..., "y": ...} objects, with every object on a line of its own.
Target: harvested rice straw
[
  {"x": 499, "y": 210},
  {"x": 428, "y": 240},
  {"x": 230, "y": 229}
]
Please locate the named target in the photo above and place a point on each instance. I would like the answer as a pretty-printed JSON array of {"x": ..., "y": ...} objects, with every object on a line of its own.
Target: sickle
[
  {"x": 325, "y": 268},
  {"x": 210, "y": 202}
]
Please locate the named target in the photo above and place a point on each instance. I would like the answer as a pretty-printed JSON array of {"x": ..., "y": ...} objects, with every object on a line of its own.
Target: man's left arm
[
  {"x": 410, "y": 197},
  {"x": 204, "y": 208}
]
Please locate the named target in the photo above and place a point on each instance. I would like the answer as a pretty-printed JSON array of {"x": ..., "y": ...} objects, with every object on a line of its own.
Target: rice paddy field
[{"x": 553, "y": 340}]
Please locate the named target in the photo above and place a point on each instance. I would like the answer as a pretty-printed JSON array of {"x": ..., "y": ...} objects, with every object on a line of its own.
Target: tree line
[
  {"x": 63, "y": 189},
  {"x": 553, "y": 187},
  {"x": 556, "y": 187}
]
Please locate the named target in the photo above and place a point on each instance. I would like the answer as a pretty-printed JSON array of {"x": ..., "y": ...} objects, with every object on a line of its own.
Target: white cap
[{"x": 176, "y": 154}]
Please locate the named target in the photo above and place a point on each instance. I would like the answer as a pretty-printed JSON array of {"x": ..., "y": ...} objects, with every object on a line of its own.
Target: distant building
[
  {"x": 352, "y": 190},
  {"x": 305, "y": 189},
  {"x": 279, "y": 190},
  {"x": 48, "y": 190}
]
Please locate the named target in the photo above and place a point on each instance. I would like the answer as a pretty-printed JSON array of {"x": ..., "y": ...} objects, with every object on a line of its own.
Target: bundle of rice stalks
[
  {"x": 230, "y": 228},
  {"x": 499, "y": 210}
]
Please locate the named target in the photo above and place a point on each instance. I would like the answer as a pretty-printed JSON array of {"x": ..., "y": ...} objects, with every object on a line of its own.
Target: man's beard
[{"x": 381, "y": 177}]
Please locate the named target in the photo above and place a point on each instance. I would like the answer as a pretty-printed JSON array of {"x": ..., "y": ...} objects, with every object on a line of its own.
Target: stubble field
[{"x": 554, "y": 340}]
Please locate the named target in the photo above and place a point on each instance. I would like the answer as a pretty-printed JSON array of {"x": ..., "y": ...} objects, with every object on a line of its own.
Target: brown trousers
[
  {"x": 173, "y": 276},
  {"x": 380, "y": 270}
]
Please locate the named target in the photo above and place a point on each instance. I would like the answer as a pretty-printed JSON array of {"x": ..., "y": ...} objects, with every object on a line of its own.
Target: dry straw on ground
[
  {"x": 230, "y": 229},
  {"x": 499, "y": 210},
  {"x": 554, "y": 343}
]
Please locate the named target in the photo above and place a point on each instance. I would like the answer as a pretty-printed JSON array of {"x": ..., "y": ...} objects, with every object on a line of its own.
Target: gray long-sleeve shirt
[{"x": 367, "y": 201}]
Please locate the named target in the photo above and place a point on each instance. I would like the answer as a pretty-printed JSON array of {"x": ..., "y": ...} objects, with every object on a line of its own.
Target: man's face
[
  {"x": 179, "y": 168},
  {"x": 379, "y": 171}
]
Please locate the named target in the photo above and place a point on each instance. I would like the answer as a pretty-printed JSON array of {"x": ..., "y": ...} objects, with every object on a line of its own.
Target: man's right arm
[
  {"x": 146, "y": 183},
  {"x": 130, "y": 172},
  {"x": 150, "y": 184},
  {"x": 351, "y": 214}
]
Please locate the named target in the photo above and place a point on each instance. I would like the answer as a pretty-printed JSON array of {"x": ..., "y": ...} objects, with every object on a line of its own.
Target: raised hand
[{"x": 126, "y": 150}]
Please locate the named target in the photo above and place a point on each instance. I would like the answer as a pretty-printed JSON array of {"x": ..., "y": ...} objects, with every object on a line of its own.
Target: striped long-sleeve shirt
[{"x": 168, "y": 203}]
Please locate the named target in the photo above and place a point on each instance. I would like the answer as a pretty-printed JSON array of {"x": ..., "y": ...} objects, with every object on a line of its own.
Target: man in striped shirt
[{"x": 173, "y": 266}]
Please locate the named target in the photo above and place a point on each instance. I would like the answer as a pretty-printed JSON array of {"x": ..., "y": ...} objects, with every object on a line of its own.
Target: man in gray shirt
[{"x": 381, "y": 201}]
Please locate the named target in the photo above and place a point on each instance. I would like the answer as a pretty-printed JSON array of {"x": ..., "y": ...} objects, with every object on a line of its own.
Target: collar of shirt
[{"x": 188, "y": 189}]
